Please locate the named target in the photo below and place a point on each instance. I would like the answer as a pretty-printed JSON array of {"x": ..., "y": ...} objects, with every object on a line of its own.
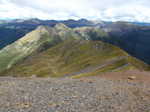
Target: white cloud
[{"x": 130, "y": 10}]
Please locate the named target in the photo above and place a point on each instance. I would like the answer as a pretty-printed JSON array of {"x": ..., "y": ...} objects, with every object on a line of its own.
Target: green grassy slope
[
  {"x": 22, "y": 48},
  {"x": 73, "y": 57},
  {"x": 35, "y": 41},
  {"x": 62, "y": 51}
]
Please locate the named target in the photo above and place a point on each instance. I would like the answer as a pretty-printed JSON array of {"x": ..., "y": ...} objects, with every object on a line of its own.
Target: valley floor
[{"x": 92, "y": 94}]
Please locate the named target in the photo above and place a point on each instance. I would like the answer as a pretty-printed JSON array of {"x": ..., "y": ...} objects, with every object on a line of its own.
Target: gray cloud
[{"x": 133, "y": 10}]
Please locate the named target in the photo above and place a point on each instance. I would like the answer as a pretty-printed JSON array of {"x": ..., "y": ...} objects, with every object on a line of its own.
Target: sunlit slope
[
  {"x": 73, "y": 57},
  {"x": 35, "y": 41},
  {"x": 23, "y": 47},
  {"x": 62, "y": 51}
]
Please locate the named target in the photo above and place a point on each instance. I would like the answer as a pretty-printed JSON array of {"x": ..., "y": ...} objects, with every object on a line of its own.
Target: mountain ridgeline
[
  {"x": 12, "y": 30},
  {"x": 63, "y": 51},
  {"x": 131, "y": 37}
]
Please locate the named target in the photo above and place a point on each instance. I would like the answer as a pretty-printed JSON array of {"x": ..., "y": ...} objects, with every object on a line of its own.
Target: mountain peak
[
  {"x": 61, "y": 26},
  {"x": 34, "y": 36},
  {"x": 41, "y": 27}
]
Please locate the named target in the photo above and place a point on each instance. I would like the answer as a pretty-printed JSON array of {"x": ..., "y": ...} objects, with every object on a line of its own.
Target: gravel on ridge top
[{"x": 72, "y": 95}]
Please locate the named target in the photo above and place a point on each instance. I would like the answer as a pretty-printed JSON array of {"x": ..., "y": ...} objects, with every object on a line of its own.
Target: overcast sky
[{"x": 111, "y": 10}]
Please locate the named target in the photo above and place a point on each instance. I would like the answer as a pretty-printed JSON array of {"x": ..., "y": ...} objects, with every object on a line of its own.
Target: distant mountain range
[{"x": 33, "y": 23}]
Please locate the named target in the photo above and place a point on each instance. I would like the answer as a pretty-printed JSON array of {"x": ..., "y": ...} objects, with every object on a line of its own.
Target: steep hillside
[
  {"x": 132, "y": 37},
  {"x": 23, "y": 47},
  {"x": 63, "y": 51},
  {"x": 72, "y": 57},
  {"x": 35, "y": 41}
]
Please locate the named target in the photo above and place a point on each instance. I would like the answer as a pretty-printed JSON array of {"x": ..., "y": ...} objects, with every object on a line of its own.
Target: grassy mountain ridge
[
  {"x": 35, "y": 41},
  {"x": 12, "y": 30},
  {"x": 61, "y": 51},
  {"x": 22, "y": 48},
  {"x": 132, "y": 37},
  {"x": 70, "y": 57}
]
